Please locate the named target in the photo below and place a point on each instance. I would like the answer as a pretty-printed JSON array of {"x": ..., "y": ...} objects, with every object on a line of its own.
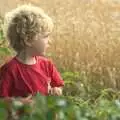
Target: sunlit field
[{"x": 85, "y": 46}]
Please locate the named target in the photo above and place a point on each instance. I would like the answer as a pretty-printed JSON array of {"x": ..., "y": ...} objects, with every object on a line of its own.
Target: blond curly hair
[{"x": 24, "y": 23}]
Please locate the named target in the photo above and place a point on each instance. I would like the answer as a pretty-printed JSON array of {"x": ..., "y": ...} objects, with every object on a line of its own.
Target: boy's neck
[{"x": 26, "y": 58}]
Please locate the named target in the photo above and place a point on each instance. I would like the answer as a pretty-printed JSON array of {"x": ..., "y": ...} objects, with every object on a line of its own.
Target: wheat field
[{"x": 86, "y": 38}]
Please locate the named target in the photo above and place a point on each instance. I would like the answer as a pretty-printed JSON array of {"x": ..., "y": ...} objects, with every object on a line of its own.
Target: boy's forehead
[{"x": 39, "y": 35}]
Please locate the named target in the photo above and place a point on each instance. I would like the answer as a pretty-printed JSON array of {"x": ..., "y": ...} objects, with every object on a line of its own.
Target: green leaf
[{"x": 5, "y": 51}]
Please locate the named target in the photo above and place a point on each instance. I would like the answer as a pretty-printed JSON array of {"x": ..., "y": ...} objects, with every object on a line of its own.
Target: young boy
[{"x": 28, "y": 29}]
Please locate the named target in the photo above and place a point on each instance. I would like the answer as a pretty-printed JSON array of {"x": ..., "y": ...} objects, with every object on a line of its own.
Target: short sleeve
[
  {"x": 56, "y": 79},
  {"x": 5, "y": 82}
]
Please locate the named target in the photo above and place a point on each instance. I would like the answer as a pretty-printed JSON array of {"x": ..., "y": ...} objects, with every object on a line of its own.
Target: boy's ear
[{"x": 28, "y": 43}]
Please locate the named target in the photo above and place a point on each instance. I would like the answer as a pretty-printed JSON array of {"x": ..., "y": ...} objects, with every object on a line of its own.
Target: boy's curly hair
[{"x": 24, "y": 23}]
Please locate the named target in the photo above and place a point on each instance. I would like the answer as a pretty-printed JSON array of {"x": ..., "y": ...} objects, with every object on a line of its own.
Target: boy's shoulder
[
  {"x": 44, "y": 59},
  {"x": 12, "y": 64},
  {"x": 9, "y": 65}
]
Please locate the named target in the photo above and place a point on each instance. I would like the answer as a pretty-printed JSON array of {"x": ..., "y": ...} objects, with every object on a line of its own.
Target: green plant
[{"x": 46, "y": 108}]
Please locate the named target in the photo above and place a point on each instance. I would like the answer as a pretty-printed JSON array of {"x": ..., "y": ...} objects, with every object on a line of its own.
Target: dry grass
[{"x": 86, "y": 38}]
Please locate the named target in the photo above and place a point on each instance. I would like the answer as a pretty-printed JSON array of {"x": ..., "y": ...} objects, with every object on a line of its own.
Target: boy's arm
[
  {"x": 56, "y": 79},
  {"x": 6, "y": 84},
  {"x": 56, "y": 91},
  {"x": 57, "y": 82},
  {"x": 6, "y": 81}
]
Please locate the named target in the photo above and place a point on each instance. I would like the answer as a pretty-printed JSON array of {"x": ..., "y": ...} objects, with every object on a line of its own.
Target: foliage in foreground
[{"x": 45, "y": 108}]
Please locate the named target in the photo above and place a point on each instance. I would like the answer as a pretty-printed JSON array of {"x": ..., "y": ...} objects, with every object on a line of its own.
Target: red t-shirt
[{"x": 18, "y": 79}]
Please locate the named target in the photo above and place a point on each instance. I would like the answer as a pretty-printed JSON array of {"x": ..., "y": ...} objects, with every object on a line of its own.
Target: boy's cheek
[{"x": 38, "y": 49}]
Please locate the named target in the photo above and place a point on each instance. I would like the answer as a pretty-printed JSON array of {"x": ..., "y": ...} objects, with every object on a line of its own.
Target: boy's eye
[{"x": 46, "y": 36}]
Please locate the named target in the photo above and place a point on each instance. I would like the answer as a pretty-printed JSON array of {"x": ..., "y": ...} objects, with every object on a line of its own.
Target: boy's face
[{"x": 40, "y": 44}]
